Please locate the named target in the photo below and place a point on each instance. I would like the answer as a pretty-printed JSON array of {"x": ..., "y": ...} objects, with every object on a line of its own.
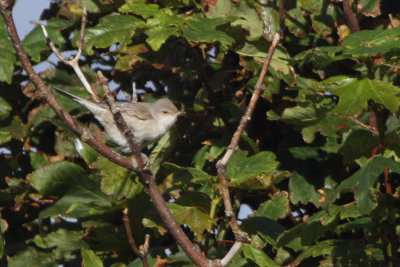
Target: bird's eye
[{"x": 165, "y": 112}]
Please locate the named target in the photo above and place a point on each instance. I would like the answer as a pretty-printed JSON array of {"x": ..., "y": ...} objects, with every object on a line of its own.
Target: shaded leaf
[
  {"x": 90, "y": 259},
  {"x": 240, "y": 168},
  {"x": 257, "y": 256}
]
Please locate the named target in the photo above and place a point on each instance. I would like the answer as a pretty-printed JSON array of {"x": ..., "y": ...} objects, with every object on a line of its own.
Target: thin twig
[
  {"x": 74, "y": 61},
  {"x": 222, "y": 164},
  {"x": 142, "y": 254},
  {"x": 134, "y": 93}
]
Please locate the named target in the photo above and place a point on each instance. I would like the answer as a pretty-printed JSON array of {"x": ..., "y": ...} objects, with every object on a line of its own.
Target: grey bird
[{"x": 148, "y": 121}]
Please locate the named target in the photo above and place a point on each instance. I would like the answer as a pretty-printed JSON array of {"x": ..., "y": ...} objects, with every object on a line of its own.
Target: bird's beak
[{"x": 182, "y": 113}]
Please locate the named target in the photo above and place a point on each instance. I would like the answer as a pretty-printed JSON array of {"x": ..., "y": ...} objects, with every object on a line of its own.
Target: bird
[{"x": 148, "y": 121}]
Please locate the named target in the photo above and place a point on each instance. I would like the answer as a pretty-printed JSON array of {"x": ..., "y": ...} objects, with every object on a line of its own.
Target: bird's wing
[{"x": 137, "y": 110}]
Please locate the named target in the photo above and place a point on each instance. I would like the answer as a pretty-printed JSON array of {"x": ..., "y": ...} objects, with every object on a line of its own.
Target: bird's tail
[
  {"x": 95, "y": 108},
  {"x": 64, "y": 93}
]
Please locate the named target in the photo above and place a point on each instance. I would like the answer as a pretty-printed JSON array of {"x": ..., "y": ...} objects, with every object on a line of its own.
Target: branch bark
[{"x": 222, "y": 163}]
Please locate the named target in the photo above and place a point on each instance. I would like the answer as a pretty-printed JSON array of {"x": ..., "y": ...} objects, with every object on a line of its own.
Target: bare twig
[
  {"x": 142, "y": 254},
  {"x": 134, "y": 93},
  {"x": 370, "y": 128},
  {"x": 222, "y": 164},
  {"x": 74, "y": 61}
]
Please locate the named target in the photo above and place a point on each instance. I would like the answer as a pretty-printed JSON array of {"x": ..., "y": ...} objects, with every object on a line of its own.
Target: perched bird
[{"x": 149, "y": 121}]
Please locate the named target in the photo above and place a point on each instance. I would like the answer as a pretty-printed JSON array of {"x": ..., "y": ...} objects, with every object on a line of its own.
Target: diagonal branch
[{"x": 222, "y": 163}]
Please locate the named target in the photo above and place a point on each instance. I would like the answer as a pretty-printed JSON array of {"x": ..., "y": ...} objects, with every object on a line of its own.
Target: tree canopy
[{"x": 292, "y": 112}]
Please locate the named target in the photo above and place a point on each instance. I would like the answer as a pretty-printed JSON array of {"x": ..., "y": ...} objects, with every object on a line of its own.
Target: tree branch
[
  {"x": 350, "y": 17},
  {"x": 73, "y": 62},
  {"x": 222, "y": 163},
  {"x": 141, "y": 253}
]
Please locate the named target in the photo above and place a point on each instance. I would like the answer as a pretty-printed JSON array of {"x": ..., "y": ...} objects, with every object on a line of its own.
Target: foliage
[{"x": 315, "y": 163}]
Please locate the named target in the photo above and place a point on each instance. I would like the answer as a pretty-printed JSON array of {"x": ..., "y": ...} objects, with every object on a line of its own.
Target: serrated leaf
[
  {"x": 275, "y": 208},
  {"x": 110, "y": 30},
  {"x": 369, "y": 42},
  {"x": 202, "y": 30},
  {"x": 144, "y": 10},
  {"x": 240, "y": 168},
  {"x": 117, "y": 180},
  {"x": 362, "y": 182},
  {"x": 185, "y": 215},
  {"x": 32, "y": 257},
  {"x": 354, "y": 94},
  {"x": 301, "y": 190},
  {"x": 257, "y": 256},
  {"x": 266, "y": 228},
  {"x": 279, "y": 58},
  {"x": 158, "y": 36}
]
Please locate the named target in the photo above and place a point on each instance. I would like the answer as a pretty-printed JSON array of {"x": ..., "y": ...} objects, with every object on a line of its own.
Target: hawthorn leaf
[{"x": 354, "y": 94}]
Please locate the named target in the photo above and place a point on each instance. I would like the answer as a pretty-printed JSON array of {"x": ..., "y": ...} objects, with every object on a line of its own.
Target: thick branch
[{"x": 350, "y": 17}]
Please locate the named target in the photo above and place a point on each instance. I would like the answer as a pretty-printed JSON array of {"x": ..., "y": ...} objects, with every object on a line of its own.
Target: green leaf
[
  {"x": 257, "y": 49},
  {"x": 266, "y": 228},
  {"x": 35, "y": 42},
  {"x": 7, "y": 55},
  {"x": 7, "y": 61},
  {"x": 5, "y": 137},
  {"x": 301, "y": 190},
  {"x": 163, "y": 149},
  {"x": 275, "y": 208},
  {"x": 313, "y": 6},
  {"x": 90, "y": 259},
  {"x": 5, "y": 109},
  {"x": 368, "y": 42},
  {"x": 56, "y": 178},
  {"x": 257, "y": 256},
  {"x": 158, "y": 36},
  {"x": 354, "y": 94},
  {"x": 362, "y": 182},
  {"x": 144, "y": 10},
  {"x": 110, "y": 30},
  {"x": 117, "y": 180},
  {"x": 33, "y": 258},
  {"x": 63, "y": 243},
  {"x": 202, "y": 30},
  {"x": 88, "y": 153},
  {"x": 38, "y": 160},
  {"x": 82, "y": 200},
  {"x": 2, "y": 243},
  {"x": 240, "y": 168},
  {"x": 185, "y": 215},
  {"x": 358, "y": 143}
]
